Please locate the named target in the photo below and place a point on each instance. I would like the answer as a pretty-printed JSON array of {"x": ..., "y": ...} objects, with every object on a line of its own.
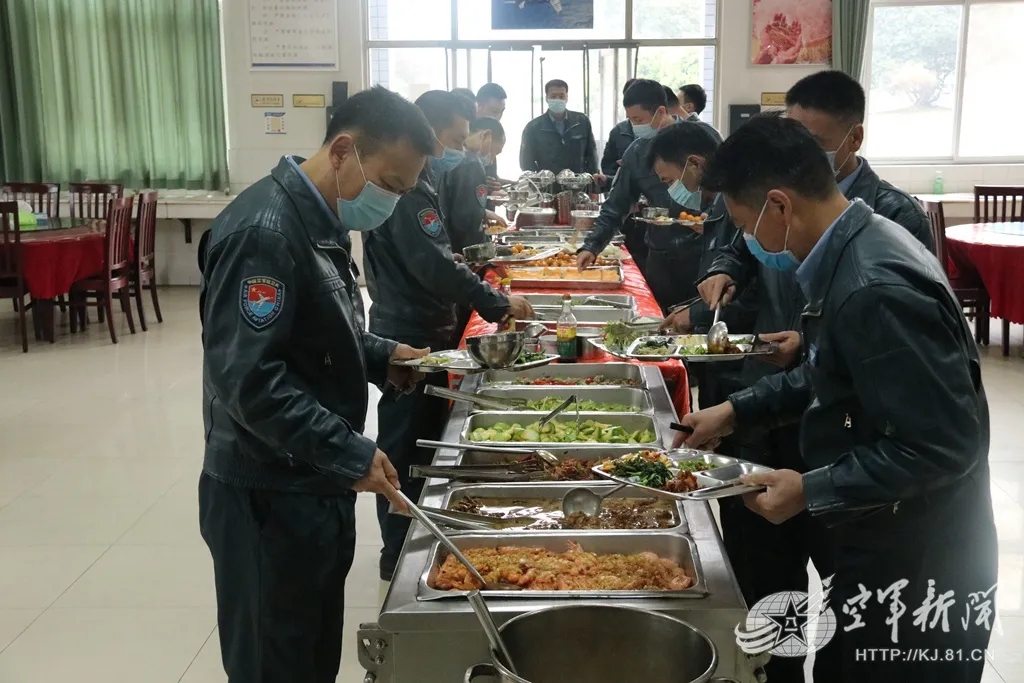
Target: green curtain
[
  {"x": 20, "y": 157},
  {"x": 125, "y": 91},
  {"x": 849, "y": 35}
]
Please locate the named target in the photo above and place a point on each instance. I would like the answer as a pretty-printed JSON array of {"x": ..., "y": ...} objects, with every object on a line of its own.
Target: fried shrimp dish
[{"x": 543, "y": 570}]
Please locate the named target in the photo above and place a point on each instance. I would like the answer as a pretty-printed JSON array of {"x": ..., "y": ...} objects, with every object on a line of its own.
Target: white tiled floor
[{"x": 103, "y": 575}]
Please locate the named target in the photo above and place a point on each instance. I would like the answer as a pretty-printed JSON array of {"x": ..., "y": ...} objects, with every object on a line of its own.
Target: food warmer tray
[
  {"x": 463, "y": 364},
  {"x": 676, "y": 547},
  {"x": 638, "y": 400},
  {"x": 556, "y": 300},
  {"x": 626, "y": 372},
  {"x": 531, "y": 237},
  {"x": 534, "y": 278},
  {"x": 671, "y": 222},
  {"x": 724, "y": 469},
  {"x": 546, "y": 252},
  {"x": 627, "y": 421},
  {"x": 476, "y": 458},
  {"x": 679, "y": 343},
  {"x": 598, "y": 315},
  {"x": 554, "y": 492}
]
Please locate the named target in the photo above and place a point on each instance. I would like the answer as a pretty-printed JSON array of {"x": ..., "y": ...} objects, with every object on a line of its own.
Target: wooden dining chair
[
  {"x": 144, "y": 259},
  {"x": 998, "y": 204},
  {"x": 969, "y": 289},
  {"x": 92, "y": 200},
  {"x": 12, "y": 278},
  {"x": 44, "y": 197},
  {"x": 115, "y": 277}
]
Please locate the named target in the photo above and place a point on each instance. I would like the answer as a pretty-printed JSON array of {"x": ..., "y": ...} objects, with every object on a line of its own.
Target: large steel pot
[{"x": 602, "y": 644}]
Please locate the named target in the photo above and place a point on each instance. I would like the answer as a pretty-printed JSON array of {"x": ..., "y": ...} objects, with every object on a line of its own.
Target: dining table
[
  {"x": 995, "y": 253},
  {"x": 54, "y": 255}
]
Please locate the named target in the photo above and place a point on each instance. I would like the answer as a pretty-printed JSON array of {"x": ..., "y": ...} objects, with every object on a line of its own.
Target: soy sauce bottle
[{"x": 566, "y": 332}]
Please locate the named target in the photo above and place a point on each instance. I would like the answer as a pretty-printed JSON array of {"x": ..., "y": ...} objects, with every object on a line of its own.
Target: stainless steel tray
[
  {"x": 678, "y": 345},
  {"x": 670, "y": 223},
  {"x": 673, "y": 546},
  {"x": 463, "y": 364},
  {"x": 531, "y": 237},
  {"x": 584, "y": 314},
  {"x": 532, "y": 277},
  {"x": 638, "y": 400},
  {"x": 723, "y": 470},
  {"x": 556, "y": 300},
  {"x": 546, "y": 252},
  {"x": 628, "y": 421},
  {"x": 553, "y": 493},
  {"x": 471, "y": 457},
  {"x": 577, "y": 372}
]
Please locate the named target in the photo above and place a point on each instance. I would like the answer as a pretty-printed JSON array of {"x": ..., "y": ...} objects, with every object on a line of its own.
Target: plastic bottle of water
[{"x": 939, "y": 184}]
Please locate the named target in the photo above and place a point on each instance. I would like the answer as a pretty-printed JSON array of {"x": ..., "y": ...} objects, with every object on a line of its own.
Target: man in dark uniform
[
  {"x": 559, "y": 139},
  {"x": 463, "y": 190},
  {"x": 286, "y": 362},
  {"x": 490, "y": 103},
  {"x": 416, "y": 285},
  {"x": 620, "y": 137},
  {"x": 674, "y": 251},
  {"x": 770, "y": 558},
  {"x": 692, "y": 101},
  {"x": 894, "y": 427}
]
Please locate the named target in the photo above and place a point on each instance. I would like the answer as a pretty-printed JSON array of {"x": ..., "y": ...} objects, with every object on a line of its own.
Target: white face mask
[{"x": 832, "y": 155}]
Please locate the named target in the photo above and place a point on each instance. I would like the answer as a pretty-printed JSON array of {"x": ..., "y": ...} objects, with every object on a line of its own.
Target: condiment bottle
[{"x": 566, "y": 332}]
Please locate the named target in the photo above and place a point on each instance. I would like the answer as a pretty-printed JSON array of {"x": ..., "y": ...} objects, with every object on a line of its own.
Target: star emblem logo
[{"x": 791, "y": 624}]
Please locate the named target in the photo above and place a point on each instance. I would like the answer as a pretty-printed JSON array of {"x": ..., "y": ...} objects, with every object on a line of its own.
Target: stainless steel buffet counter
[{"x": 436, "y": 641}]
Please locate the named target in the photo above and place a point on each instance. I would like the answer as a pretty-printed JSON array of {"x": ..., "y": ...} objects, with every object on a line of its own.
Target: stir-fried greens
[
  {"x": 552, "y": 402},
  {"x": 652, "y": 348},
  {"x": 618, "y": 335},
  {"x": 435, "y": 360},
  {"x": 530, "y": 357},
  {"x": 647, "y": 468},
  {"x": 590, "y": 431}
]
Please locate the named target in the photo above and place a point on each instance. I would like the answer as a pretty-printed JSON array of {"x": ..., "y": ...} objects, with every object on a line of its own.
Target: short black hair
[
  {"x": 555, "y": 83},
  {"x": 442, "y": 108},
  {"x": 490, "y": 91},
  {"x": 487, "y": 123},
  {"x": 378, "y": 117},
  {"x": 673, "y": 144},
  {"x": 770, "y": 152},
  {"x": 695, "y": 95},
  {"x": 647, "y": 94},
  {"x": 671, "y": 100},
  {"x": 832, "y": 92},
  {"x": 626, "y": 86},
  {"x": 465, "y": 92}
]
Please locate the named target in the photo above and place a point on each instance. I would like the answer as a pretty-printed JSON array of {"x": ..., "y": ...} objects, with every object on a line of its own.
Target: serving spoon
[
  {"x": 586, "y": 500},
  {"x": 546, "y": 456}
]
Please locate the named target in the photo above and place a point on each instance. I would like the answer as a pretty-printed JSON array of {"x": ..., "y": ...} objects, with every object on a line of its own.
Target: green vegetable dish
[
  {"x": 530, "y": 357},
  {"x": 435, "y": 360},
  {"x": 652, "y": 349},
  {"x": 693, "y": 466},
  {"x": 618, "y": 335},
  {"x": 589, "y": 431},
  {"x": 642, "y": 470},
  {"x": 552, "y": 402}
]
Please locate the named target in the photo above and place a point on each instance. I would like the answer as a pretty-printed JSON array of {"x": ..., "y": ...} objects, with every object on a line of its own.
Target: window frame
[
  {"x": 628, "y": 43},
  {"x": 958, "y": 93}
]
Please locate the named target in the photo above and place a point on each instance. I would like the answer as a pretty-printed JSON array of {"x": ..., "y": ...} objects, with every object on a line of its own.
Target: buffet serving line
[{"x": 661, "y": 558}]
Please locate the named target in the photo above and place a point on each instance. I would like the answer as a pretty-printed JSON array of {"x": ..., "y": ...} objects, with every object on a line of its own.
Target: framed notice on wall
[{"x": 293, "y": 34}]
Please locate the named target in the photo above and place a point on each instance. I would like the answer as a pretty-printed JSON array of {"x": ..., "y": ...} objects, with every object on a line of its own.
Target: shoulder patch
[
  {"x": 481, "y": 194},
  {"x": 430, "y": 222},
  {"x": 261, "y": 300}
]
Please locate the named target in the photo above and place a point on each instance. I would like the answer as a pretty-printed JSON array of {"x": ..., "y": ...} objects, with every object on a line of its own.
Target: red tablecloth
[
  {"x": 673, "y": 371},
  {"x": 996, "y": 252},
  {"x": 53, "y": 259}
]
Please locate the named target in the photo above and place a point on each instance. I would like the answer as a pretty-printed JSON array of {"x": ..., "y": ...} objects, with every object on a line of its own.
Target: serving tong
[{"x": 485, "y": 402}]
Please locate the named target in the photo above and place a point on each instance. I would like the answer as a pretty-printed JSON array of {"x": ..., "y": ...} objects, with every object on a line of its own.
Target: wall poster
[
  {"x": 293, "y": 34},
  {"x": 791, "y": 32}
]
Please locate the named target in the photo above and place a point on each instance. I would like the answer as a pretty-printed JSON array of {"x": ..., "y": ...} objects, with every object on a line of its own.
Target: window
[
  {"x": 941, "y": 78},
  {"x": 416, "y": 45}
]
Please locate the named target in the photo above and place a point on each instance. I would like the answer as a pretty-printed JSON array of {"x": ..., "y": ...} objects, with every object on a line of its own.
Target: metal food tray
[
  {"x": 723, "y": 470},
  {"x": 628, "y": 421},
  {"x": 568, "y": 282},
  {"x": 531, "y": 237},
  {"x": 574, "y": 371},
  {"x": 638, "y": 400},
  {"x": 556, "y": 300},
  {"x": 464, "y": 364},
  {"x": 544, "y": 253},
  {"x": 584, "y": 314},
  {"x": 669, "y": 545},
  {"x": 674, "y": 221},
  {"x": 678, "y": 342},
  {"x": 554, "y": 492},
  {"x": 471, "y": 457}
]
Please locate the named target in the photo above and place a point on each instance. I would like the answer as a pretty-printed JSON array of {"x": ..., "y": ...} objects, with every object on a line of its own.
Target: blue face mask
[
  {"x": 557, "y": 106},
  {"x": 778, "y": 260},
  {"x": 448, "y": 160},
  {"x": 371, "y": 207},
  {"x": 832, "y": 155},
  {"x": 642, "y": 131},
  {"x": 688, "y": 199}
]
